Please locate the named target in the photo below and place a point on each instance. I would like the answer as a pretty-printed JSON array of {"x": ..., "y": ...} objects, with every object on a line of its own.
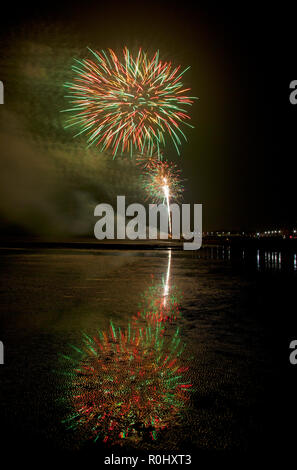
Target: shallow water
[{"x": 226, "y": 307}]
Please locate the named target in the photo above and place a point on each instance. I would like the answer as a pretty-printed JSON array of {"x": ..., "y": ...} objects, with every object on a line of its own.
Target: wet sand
[{"x": 233, "y": 316}]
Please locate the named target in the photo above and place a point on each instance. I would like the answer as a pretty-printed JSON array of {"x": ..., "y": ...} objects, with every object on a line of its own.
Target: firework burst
[
  {"x": 161, "y": 180},
  {"x": 127, "y": 384},
  {"x": 129, "y": 104}
]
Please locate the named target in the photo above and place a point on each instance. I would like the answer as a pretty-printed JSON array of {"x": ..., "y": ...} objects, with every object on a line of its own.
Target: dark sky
[{"x": 239, "y": 161}]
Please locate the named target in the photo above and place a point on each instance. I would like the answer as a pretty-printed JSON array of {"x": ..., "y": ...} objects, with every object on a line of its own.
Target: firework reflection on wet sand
[{"x": 49, "y": 297}]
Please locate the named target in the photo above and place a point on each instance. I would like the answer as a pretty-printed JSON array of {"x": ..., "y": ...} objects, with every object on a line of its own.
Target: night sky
[{"x": 240, "y": 158}]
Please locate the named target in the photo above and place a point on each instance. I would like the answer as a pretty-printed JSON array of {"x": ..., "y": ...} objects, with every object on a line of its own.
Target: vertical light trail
[
  {"x": 167, "y": 197},
  {"x": 166, "y": 285}
]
